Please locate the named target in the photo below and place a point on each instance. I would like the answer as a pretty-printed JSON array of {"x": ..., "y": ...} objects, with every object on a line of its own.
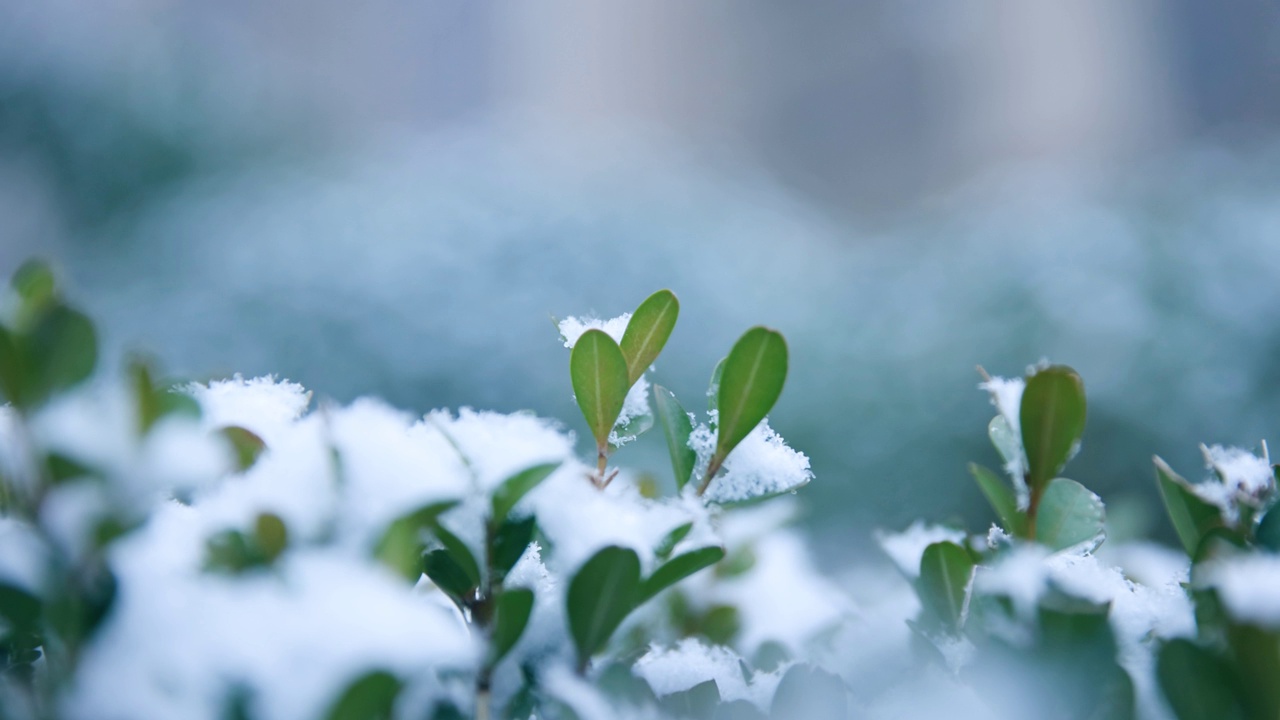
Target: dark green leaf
[
  {"x": 697, "y": 702},
  {"x": 1192, "y": 516},
  {"x": 1267, "y": 533},
  {"x": 943, "y": 586},
  {"x": 460, "y": 553},
  {"x": 514, "y": 607},
  {"x": 679, "y": 568},
  {"x": 810, "y": 693},
  {"x": 647, "y": 332},
  {"x": 598, "y": 372},
  {"x": 1197, "y": 685},
  {"x": 509, "y": 543},
  {"x": 751, "y": 382},
  {"x": 246, "y": 445},
  {"x": 1069, "y": 515},
  {"x": 448, "y": 575},
  {"x": 1052, "y": 418},
  {"x": 371, "y": 697},
  {"x": 601, "y": 595},
  {"x": 511, "y": 490},
  {"x": 672, "y": 539},
  {"x": 12, "y": 368},
  {"x": 404, "y": 542},
  {"x": 720, "y": 624},
  {"x": 1002, "y": 498},
  {"x": 1257, "y": 663},
  {"x": 62, "y": 350},
  {"x": 271, "y": 534},
  {"x": 676, "y": 428},
  {"x": 19, "y": 608}
]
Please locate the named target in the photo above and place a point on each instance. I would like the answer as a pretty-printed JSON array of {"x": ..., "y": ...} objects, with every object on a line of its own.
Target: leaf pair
[
  {"x": 603, "y": 371},
  {"x": 609, "y": 586},
  {"x": 1068, "y": 514}
]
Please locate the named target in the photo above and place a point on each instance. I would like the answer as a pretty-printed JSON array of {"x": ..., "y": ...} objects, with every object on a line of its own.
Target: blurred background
[{"x": 394, "y": 197}]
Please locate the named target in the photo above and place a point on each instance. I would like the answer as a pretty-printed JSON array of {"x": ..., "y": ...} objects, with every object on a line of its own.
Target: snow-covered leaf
[
  {"x": 1192, "y": 517},
  {"x": 1002, "y": 498},
  {"x": 1070, "y": 515},
  {"x": 946, "y": 572}
]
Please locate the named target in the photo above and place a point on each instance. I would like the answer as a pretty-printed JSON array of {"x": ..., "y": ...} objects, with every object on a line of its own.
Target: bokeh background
[{"x": 393, "y": 198}]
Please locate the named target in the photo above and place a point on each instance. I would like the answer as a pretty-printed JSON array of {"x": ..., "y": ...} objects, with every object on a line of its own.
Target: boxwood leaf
[
  {"x": 679, "y": 568},
  {"x": 697, "y": 702},
  {"x": 672, "y": 539},
  {"x": 1006, "y": 442},
  {"x": 750, "y": 384},
  {"x": 676, "y": 428},
  {"x": 511, "y": 490},
  {"x": 810, "y": 693},
  {"x": 1267, "y": 534},
  {"x": 1052, "y": 418},
  {"x": 404, "y": 541},
  {"x": 509, "y": 543},
  {"x": 600, "y": 596},
  {"x": 713, "y": 388},
  {"x": 647, "y": 332},
  {"x": 1192, "y": 516},
  {"x": 514, "y": 607},
  {"x": 1070, "y": 514},
  {"x": 460, "y": 553},
  {"x": 598, "y": 372},
  {"x": 1196, "y": 683},
  {"x": 246, "y": 445},
  {"x": 946, "y": 571},
  {"x": 448, "y": 574},
  {"x": 1002, "y": 499},
  {"x": 370, "y": 697},
  {"x": 271, "y": 534},
  {"x": 62, "y": 350}
]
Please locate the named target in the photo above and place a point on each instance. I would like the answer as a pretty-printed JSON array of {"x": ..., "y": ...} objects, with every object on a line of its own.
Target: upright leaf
[
  {"x": 1002, "y": 499},
  {"x": 1052, "y": 418},
  {"x": 676, "y": 428},
  {"x": 1070, "y": 514},
  {"x": 1192, "y": 516},
  {"x": 509, "y": 543},
  {"x": 1196, "y": 683},
  {"x": 1267, "y": 534},
  {"x": 62, "y": 349},
  {"x": 679, "y": 568},
  {"x": 516, "y": 487},
  {"x": 598, "y": 372},
  {"x": 601, "y": 594},
  {"x": 514, "y": 607},
  {"x": 943, "y": 586},
  {"x": 647, "y": 332},
  {"x": 750, "y": 384}
]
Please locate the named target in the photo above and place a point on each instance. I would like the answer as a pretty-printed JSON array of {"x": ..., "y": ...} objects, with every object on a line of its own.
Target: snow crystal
[
  {"x": 1249, "y": 586},
  {"x": 907, "y": 547},
  {"x": 761, "y": 465},
  {"x": 572, "y": 328},
  {"x": 261, "y": 405},
  {"x": 692, "y": 662},
  {"x": 1240, "y": 478},
  {"x": 1006, "y": 395}
]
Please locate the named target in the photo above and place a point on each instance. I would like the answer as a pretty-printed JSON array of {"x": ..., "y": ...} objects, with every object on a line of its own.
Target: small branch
[{"x": 713, "y": 467}]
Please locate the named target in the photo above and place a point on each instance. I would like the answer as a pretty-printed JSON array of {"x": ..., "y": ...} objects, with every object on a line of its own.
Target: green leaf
[
  {"x": 404, "y": 542},
  {"x": 810, "y": 693},
  {"x": 598, "y": 372},
  {"x": 1192, "y": 517},
  {"x": 516, "y": 487},
  {"x": 672, "y": 539},
  {"x": 1052, "y": 418},
  {"x": 1257, "y": 663},
  {"x": 679, "y": 568},
  {"x": 1197, "y": 685},
  {"x": 509, "y": 543},
  {"x": 514, "y": 607},
  {"x": 1002, "y": 499},
  {"x": 11, "y": 367},
  {"x": 35, "y": 286},
  {"x": 647, "y": 332},
  {"x": 448, "y": 575},
  {"x": 19, "y": 608},
  {"x": 751, "y": 382},
  {"x": 1069, "y": 514},
  {"x": 246, "y": 445},
  {"x": 62, "y": 350},
  {"x": 1005, "y": 440},
  {"x": 676, "y": 428},
  {"x": 1267, "y": 533},
  {"x": 697, "y": 702},
  {"x": 371, "y": 697},
  {"x": 460, "y": 553},
  {"x": 601, "y": 594},
  {"x": 946, "y": 571},
  {"x": 713, "y": 388},
  {"x": 271, "y": 535}
]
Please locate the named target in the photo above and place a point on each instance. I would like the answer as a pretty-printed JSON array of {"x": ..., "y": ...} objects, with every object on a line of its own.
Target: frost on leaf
[
  {"x": 1006, "y": 431},
  {"x": 761, "y": 465},
  {"x": 1240, "y": 479},
  {"x": 692, "y": 662},
  {"x": 907, "y": 547}
]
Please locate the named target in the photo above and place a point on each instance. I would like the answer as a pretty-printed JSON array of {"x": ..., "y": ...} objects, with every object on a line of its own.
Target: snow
[
  {"x": 1249, "y": 587},
  {"x": 572, "y": 328},
  {"x": 692, "y": 662},
  {"x": 1006, "y": 395},
  {"x": 761, "y": 465},
  {"x": 906, "y": 548},
  {"x": 263, "y": 405},
  {"x": 23, "y": 556},
  {"x": 1240, "y": 479}
]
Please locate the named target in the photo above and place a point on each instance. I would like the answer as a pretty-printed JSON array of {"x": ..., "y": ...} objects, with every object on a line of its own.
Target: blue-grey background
[{"x": 394, "y": 197}]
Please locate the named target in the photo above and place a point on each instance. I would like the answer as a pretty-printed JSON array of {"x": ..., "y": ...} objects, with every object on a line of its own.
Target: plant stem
[{"x": 713, "y": 467}]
